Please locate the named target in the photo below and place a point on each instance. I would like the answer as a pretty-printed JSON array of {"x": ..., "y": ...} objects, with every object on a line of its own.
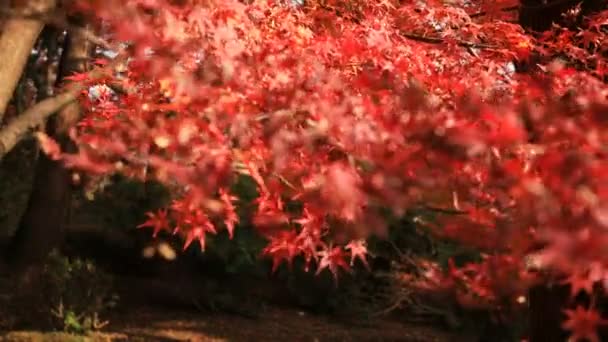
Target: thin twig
[
  {"x": 444, "y": 210},
  {"x": 405, "y": 297},
  {"x": 439, "y": 40},
  {"x": 505, "y": 9}
]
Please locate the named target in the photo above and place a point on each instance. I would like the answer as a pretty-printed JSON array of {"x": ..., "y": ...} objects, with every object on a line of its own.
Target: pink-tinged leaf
[
  {"x": 583, "y": 323},
  {"x": 194, "y": 225},
  {"x": 197, "y": 233},
  {"x": 77, "y": 77},
  {"x": 282, "y": 247},
  {"x": 358, "y": 250},
  {"x": 231, "y": 217},
  {"x": 333, "y": 259},
  {"x": 157, "y": 221},
  {"x": 257, "y": 177},
  {"x": 342, "y": 192},
  {"x": 580, "y": 281}
]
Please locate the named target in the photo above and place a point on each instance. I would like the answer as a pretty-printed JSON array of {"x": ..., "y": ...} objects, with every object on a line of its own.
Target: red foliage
[
  {"x": 584, "y": 324},
  {"x": 353, "y": 106}
]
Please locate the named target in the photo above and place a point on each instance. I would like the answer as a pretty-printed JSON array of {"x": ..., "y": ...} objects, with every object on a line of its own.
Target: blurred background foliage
[{"x": 115, "y": 206}]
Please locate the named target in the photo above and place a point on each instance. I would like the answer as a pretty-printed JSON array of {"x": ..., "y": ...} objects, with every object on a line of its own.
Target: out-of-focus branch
[
  {"x": 440, "y": 40},
  {"x": 36, "y": 115},
  {"x": 16, "y": 41},
  {"x": 32, "y": 117},
  {"x": 483, "y": 13},
  {"x": 57, "y": 19}
]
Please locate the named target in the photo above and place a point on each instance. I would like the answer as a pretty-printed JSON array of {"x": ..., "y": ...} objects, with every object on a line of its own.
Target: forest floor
[
  {"x": 276, "y": 325},
  {"x": 156, "y": 324},
  {"x": 153, "y": 322}
]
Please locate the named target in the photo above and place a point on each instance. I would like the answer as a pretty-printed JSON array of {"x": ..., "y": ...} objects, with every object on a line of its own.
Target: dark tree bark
[{"x": 40, "y": 229}]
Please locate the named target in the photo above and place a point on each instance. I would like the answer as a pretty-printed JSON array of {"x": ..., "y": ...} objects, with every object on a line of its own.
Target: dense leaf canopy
[{"x": 352, "y": 107}]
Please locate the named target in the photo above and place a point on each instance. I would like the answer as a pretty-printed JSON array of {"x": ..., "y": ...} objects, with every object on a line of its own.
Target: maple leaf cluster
[
  {"x": 352, "y": 107},
  {"x": 585, "y": 47}
]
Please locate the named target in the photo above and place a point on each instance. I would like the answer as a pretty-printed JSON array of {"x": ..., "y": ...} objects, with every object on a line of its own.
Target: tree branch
[
  {"x": 505, "y": 9},
  {"x": 36, "y": 115},
  {"x": 439, "y": 40},
  {"x": 16, "y": 41},
  {"x": 56, "y": 19}
]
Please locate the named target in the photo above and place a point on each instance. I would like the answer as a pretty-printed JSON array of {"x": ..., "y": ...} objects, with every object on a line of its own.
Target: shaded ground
[
  {"x": 141, "y": 321},
  {"x": 153, "y": 324},
  {"x": 275, "y": 325}
]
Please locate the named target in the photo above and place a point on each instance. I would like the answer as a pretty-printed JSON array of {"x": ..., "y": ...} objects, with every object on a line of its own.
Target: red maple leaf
[
  {"x": 358, "y": 250},
  {"x": 231, "y": 217},
  {"x": 583, "y": 324},
  {"x": 333, "y": 259},
  {"x": 589, "y": 38},
  {"x": 198, "y": 225},
  {"x": 282, "y": 247},
  {"x": 580, "y": 281},
  {"x": 157, "y": 221}
]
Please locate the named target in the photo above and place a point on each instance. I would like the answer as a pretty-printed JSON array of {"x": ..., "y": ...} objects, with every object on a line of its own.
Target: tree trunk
[
  {"x": 16, "y": 41},
  {"x": 41, "y": 226}
]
